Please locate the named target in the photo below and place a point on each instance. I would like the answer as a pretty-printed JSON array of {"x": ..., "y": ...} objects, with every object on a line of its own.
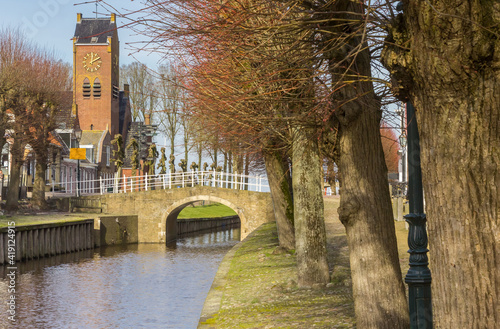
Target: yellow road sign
[{"x": 77, "y": 153}]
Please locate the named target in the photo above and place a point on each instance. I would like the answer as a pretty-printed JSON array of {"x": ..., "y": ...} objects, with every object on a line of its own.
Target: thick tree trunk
[
  {"x": 200, "y": 155},
  {"x": 449, "y": 68},
  {"x": 365, "y": 204},
  {"x": 215, "y": 156},
  {"x": 172, "y": 143},
  {"x": 186, "y": 153},
  {"x": 14, "y": 175},
  {"x": 366, "y": 212},
  {"x": 277, "y": 174},
  {"x": 310, "y": 236},
  {"x": 461, "y": 175},
  {"x": 238, "y": 168},
  {"x": 38, "y": 197}
]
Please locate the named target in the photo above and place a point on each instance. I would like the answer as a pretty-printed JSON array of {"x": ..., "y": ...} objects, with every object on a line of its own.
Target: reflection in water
[{"x": 134, "y": 286}]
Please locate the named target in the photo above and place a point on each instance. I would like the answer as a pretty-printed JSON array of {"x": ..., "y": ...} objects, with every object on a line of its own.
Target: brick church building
[{"x": 99, "y": 108}]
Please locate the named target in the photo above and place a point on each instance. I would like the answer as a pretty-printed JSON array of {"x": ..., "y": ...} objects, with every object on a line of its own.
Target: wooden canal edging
[{"x": 36, "y": 241}]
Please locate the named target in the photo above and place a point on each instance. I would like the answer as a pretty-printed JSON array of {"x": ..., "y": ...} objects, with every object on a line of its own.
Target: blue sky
[{"x": 51, "y": 24}]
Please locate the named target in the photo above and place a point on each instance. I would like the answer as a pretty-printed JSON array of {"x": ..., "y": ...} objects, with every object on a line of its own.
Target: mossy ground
[{"x": 261, "y": 286}]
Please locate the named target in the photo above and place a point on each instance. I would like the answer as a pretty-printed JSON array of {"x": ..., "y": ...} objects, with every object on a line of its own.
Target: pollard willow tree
[
  {"x": 142, "y": 96},
  {"x": 13, "y": 50},
  {"x": 36, "y": 85},
  {"x": 365, "y": 205},
  {"x": 238, "y": 122},
  {"x": 271, "y": 99},
  {"x": 49, "y": 79},
  {"x": 170, "y": 103},
  {"x": 444, "y": 57}
]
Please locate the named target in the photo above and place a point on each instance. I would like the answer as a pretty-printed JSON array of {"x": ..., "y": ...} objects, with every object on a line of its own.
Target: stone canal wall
[
  {"x": 111, "y": 230},
  {"x": 200, "y": 224},
  {"x": 36, "y": 241}
]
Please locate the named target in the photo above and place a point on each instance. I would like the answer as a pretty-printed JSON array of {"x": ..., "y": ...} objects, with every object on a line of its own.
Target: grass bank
[
  {"x": 44, "y": 218},
  {"x": 260, "y": 288},
  {"x": 213, "y": 210}
]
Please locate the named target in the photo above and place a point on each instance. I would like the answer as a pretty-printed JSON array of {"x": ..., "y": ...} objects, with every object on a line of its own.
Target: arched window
[
  {"x": 97, "y": 88},
  {"x": 86, "y": 88}
]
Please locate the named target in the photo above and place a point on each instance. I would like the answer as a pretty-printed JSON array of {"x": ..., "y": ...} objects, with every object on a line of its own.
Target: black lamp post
[
  {"x": 78, "y": 136},
  {"x": 403, "y": 142},
  {"x": 418, "y": 277}
]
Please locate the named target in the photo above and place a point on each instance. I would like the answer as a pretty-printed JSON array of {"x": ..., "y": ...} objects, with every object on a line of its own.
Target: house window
[
  {"x": 108, "y": 156},
  {"x": 97, "y": 88},
  {"x": 86, "y": 88}
]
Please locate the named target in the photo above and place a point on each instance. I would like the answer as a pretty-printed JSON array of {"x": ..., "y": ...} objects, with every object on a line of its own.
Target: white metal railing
[{"x": 146, "y": 182}]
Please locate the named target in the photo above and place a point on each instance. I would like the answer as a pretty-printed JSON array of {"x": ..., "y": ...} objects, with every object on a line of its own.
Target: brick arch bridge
[{"x": 157, "y": 210}]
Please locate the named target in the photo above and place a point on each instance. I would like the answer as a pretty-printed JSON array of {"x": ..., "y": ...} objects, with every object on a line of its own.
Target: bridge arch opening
[{"x": 170, "y": 216}]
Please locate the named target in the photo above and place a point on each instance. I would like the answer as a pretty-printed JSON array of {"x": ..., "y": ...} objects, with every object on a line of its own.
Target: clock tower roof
[{"x": 95, "y": 30}]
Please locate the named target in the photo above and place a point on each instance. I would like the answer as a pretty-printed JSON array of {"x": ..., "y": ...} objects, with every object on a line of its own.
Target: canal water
[{"x": 134, "y": 286}]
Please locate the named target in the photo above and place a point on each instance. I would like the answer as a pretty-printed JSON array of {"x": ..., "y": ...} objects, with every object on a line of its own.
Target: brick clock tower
[{"x": 96, "y": 95}]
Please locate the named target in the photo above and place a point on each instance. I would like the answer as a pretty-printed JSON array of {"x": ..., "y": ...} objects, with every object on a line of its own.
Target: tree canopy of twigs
[{"x": 32, "y": 86}]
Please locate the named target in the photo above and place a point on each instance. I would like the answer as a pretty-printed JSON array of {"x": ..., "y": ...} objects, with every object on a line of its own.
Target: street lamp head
[
  {"x": 78, "y": 133},
  {"x": 402, "y": 139}
]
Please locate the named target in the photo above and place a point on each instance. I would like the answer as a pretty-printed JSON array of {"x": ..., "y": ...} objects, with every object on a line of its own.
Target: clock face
[{"x": 92, "y": 62}]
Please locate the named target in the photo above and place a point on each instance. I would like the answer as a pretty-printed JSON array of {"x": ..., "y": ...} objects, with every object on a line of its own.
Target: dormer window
[
  {"x": 97, "y": 88},
  {"x": 93, "y": 40},
  {"x": 86, "y": 88},
  {"x": 89, "y": 151}
]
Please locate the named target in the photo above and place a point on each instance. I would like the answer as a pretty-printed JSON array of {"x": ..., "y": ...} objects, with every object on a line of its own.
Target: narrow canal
[{"x": 134, "y": 286}]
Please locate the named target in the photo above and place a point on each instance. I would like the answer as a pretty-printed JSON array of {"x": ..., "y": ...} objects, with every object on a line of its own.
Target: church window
[
  {"x": 116, "y": 91},
  {"x": 97, "y": 88},
  {"x": 86, "y": 88}
]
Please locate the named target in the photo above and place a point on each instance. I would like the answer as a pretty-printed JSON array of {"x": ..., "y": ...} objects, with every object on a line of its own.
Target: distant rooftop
[
  {"x": 91, "y": 137},
  {"x": 64, "y": 118},
  {"x": 94, "y": 30}
]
